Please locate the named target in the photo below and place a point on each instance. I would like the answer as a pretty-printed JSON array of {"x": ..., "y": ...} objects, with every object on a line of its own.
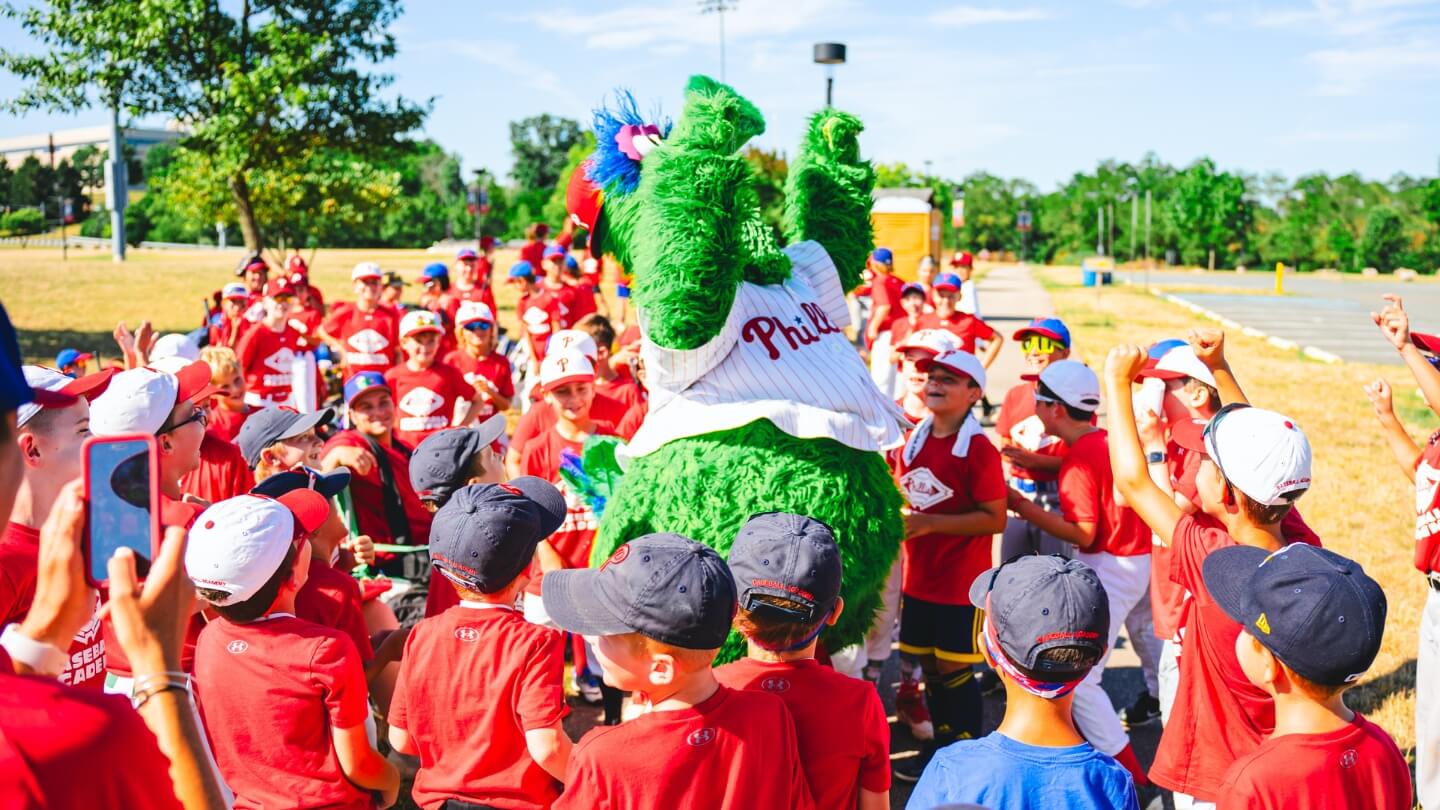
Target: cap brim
[
  {"x": 53, "y": 399},
  {"x": 552, "y": 504},
  {"x": 309, "y": 507},
  {"x": 491, "y": 429},
  {"x": 194, "y": 382},
  {"x": 1426, "y": 343},
  {"x": 980, "y": 588},
  {"x": 924, "y": 364},
  {"x": 568, "y": 378},
  {"x": 307, "y": 421},
  {"x": 945, "y": 288},
  {"x": 1036, "y": 330},
  {"x": 1161, "y": 374},
  {"x": 1190, "y": 434},
  {"x": 437, "y": 330},
  {"x": 327, "y": 484},
  {"x": 1227, "y": 572},
  {"x": 573, "y": 604},
  {"x": 91, "y": 385}
]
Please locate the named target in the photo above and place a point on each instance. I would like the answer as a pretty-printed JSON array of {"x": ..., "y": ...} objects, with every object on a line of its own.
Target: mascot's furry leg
[{"x": 706, "y": 487}]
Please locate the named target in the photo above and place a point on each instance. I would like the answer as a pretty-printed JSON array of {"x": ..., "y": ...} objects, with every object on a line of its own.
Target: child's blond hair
[{"x": 223, "y": 362}]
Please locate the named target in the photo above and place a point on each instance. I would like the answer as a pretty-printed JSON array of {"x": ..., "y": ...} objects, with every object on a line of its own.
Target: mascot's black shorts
[{"x": 948, "y": 632}]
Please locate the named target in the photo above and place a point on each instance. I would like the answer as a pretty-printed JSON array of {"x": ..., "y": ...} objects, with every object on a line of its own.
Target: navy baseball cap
[
  {"x": 883, "y": 255},
  {"x": 327, "y": 484},
  {"x": 486, "y": 534},
  {"x": 270, "y": 425},
  {"x": 948, "y": 281},
  {"x": 522, "y": 270},
  {"x": 1038, "y": 603},
  {"x": 362, "y": 382},
  {"x": 14, "y": 390},
  {"x": 441, "y": 462},
  {"x": 787, "y": 556},
  {"x": 1318, "y": 612},
  {"x": 662, "y": 586},
  {"x": 1052, "y": 328}
]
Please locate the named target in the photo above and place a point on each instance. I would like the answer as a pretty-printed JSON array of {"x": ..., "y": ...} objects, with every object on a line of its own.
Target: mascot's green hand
[
  {"x": 716, "y": 118},
  {"x": 827, "y": 193},
  {"x": 840, "y": 135}
]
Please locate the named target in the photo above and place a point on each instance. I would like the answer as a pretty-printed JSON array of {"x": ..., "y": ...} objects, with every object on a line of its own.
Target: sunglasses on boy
[
  {"x": 1039, "y": 344},
  {"x": 1208, "y": 434},
  {"x": 479, "y": 326}
]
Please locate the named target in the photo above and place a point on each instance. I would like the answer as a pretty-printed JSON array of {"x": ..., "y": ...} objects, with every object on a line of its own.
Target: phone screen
[{"x": 120, "y": 507}]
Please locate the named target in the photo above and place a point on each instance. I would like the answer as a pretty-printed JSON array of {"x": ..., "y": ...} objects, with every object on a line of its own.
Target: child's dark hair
[
  {"x": 772, "y": 633},
  {"x": 1070, "y": 410},
  {"x": 1062, "y": 655},
  {"x": 1260, "y": 514},
  {"x": 256, "y": 606},
  {"x": 599, "y": 328},
  {"x": 1214, "y": 394}
]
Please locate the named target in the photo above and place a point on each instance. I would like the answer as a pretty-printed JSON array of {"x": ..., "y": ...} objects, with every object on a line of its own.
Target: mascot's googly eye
[{"x": 637, "y": 141}]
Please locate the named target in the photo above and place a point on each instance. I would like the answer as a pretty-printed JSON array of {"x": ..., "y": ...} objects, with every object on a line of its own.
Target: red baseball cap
[
  {"x": 1426, "y": 343},
  {"x": 962, "y": 259},
  {"x": 278, "y": 286},
  {"x": 52, "y": 389},
  {"x": 1189, "y": 433}
]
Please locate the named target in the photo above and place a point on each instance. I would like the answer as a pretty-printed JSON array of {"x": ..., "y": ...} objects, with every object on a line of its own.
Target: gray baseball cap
[
  {"x": 486, "y": 534},
  {"x": 269, "y": 425},
  {"x": 441, "y": 462},
  {"x": 1038, "y": 603},
  {"x": 788, "y": 556},
  {"x": 663, "y": 586}
]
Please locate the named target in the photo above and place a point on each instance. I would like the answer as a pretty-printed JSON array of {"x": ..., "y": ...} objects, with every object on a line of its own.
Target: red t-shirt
[
  {"x": 632, "y": 421},
  {"x": 967, "y": 328},
  {"x": 425, "y": 400},
  {"x": 1427, "y": 507},
  {"x": 844, "y": 738},
  {"x": 371, "y": 339},
  {"x": 1218, "y": 715},
  {"x": 903, "y": 326},
  {"x": 494, "y": 367},
  {"x": 1356, "y": 766},
  {"x": 76, "y": 748},
  {"x": 573, "y": 539},
  {"x": 222, "y": 473},
  {"x": 940, "y": 567},
  {"x": 1018, "y": 423},
  {"x": 367, "y": 493},
  {"x": 480, "y": 292},
  {"x": 173, "y": 513},
  {"x": 270, "y": 693},
  {"x": 534, "y": 253},
  {"x": 473, "y": 680},
  {"x": 885, "y": 292},
  {"x": 541, "y": 418},
  {"x": 19, "y": 565},
  {"x": 582, "y": 301},
  {"x": 228, "y": 332},
  {"x": 734, "y": 750},
  {"x": 266, "y": 358},
  {"x": 535, "y": 328},
  {"x": 331, "y": 598},
  {"x": 1087, "y": 494},
  {"x": 626, "y": 392},
  {"x": 225, "y": 423}
]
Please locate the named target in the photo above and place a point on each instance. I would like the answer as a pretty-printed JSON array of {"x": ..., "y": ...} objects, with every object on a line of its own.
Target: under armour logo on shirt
[
  {"x": 237, "y": 646},
  {"x": 467, "y": 634},
  {"x": 700, "y": 737},
  {"x": 775, "y": 685}
]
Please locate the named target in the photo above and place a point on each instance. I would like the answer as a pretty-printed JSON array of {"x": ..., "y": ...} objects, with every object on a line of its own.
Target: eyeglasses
[
  {"x": 198, "y": 415},
  {"x": 1208, "y": 434},
  {"x": 479, "y": 326},
  {"x": 1039, "y": 344}
]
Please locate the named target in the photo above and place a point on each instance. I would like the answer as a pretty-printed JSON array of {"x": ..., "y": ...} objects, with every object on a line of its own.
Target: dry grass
[
  {"x": 1360, "y": 504},
  {"x": 55, "y": 304}
]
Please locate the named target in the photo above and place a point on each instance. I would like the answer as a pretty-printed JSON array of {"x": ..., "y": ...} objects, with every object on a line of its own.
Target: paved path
[{"x": 1331, "y": 314}]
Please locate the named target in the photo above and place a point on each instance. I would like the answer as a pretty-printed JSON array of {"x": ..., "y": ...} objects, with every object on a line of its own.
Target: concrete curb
[{"x": 1312, "y": 352}]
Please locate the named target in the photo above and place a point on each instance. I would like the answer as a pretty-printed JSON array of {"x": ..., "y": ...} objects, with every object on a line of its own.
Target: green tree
[
  {"x": 23, "y": 222},
  {"x": 1384, "y": 241},
  {"x": 541, "y": 147},
  {"x": 5, "y": 176},
  {"x": 32, "y": 184},
  {"x": 273, "y": 88},
  {"x": 1210, "y": 212},
  {"x": 770, "y": 169}
]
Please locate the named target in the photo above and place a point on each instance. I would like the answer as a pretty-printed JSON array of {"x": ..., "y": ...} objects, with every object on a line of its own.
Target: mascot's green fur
[{"x": 688, "y": 228}]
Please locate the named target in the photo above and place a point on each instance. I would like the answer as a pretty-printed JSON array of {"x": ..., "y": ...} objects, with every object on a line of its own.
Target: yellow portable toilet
[{"x": 908, "y": 224}]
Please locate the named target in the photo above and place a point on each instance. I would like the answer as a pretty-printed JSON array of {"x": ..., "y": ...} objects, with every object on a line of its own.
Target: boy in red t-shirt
[
  {"x": 267, "y": 351},
  {"x": 969, "y": 328},
  {"x": 430, "y": 395},
  {"x": 1312, "y": 627},
  {"x": 662, "y": 606},
  {"x": 481, "y": 698},
  {"x": 230, "y": 324},
  {"x": 950, "y": 475},
  {"x": 227, "y": 408},
  {"x": 364, "y": 334},
  {"x": 787, "y": 574},
  {"x": 885, "y": 310},
  {"x": 477, "y": 360},
  {"x": 621, "y": 389},
  {"x": 1254, "y": 465},
  {"x": 539, "y": 419},
  {"x": 1032, "y": 456},
  {"x": 283, "y": 700},
  {"x": 1109, "y": 536}
]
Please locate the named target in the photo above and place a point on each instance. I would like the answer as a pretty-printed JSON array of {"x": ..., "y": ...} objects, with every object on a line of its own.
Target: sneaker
[
  {"x": 1145, "y": 709},
  {"x": 910, "y": 712},
  {"x": 909, "y": 769}
]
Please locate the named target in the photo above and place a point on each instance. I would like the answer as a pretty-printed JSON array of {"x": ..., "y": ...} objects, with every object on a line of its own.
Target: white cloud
[
  {"x": 960, "y": 16},
  {"x": 1382, "y": 132},
  {"x": 681, "y": 23},
  {"x": 1348, "y": 17},
  {"x": 1352, "y": 71}
]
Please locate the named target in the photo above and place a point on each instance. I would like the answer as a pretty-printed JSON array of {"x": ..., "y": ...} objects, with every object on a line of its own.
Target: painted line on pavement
[{"x": 1312, "y": 352}]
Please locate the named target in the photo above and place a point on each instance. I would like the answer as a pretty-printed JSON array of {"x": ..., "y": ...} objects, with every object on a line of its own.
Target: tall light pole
[
  {"x": 718, "y": 8},
  {"x": 829, "y": 54},
  {"x": 116, "y": 186},
  {"x": 479, "y": 203}
]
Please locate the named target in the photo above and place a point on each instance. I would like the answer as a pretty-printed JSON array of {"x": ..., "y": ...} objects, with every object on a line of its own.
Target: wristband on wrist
[
  {"x": 46, "y": 659},
  {"x": 1155, "y": 457}
]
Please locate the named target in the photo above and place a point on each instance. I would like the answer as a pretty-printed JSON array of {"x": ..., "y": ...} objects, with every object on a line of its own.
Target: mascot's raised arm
[{"x": 758, "y": 403}]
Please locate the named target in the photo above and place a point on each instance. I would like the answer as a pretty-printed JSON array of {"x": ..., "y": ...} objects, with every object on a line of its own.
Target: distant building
[{"x": 141, "y": 140}]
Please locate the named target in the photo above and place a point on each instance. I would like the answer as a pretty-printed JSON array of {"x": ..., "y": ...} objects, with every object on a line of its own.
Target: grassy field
[
  {"x": 1360, "y": 503},
  {"x": 77, "y": 303}
]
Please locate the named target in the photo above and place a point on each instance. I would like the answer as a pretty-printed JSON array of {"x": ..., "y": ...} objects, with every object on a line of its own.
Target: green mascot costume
[{"x": 758, "y": 401}]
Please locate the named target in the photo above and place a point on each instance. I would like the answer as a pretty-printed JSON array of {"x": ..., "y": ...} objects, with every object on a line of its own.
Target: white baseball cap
[
  {"x": 1073, "y": 382},
  {"x": 1262, "y": 453},
  {"x": 1179, "y": 363},
  {"x": 958, "y": 361},
  {"x": 55, "y": 390},
  {"x": 365, "y": 270},
  {"x": 573, "y": 339},
  {"x": 935, "y": 341},
  {"x": 237, "y": 545},
  {"x": 420, "y": 320},
  {"x": 235, "y": 290},
  {"x": 565, "y": 367},
  {"x": 473, "y": 312},
  {"x": 175, "y": 345},
  {"x": 139, "y": 400}
]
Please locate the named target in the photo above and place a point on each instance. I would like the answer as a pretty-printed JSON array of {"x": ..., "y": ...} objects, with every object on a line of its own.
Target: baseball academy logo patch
[
  {"x": 923, "y": 489},
  {"x": 702, "y": 736},
  {"x": 237, "y": 647},
  {"x": 469, "y": 635}
]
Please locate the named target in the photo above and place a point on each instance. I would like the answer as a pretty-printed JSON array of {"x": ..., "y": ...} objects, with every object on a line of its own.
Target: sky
[{"x": 1037, "y": 89}]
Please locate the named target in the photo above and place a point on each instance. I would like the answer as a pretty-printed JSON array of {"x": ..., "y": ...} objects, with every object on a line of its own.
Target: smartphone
[{"x": 122, "y": 502}]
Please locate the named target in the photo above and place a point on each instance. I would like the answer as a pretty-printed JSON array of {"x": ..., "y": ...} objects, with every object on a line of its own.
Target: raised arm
[
  {"x": 827, "y": 193},
  {"x": 1209, "y": 346},
  {"x": 1401, "y": 445},
  {"x": 1394, "y": 323},
  {"x": 1127, "y": 457}
]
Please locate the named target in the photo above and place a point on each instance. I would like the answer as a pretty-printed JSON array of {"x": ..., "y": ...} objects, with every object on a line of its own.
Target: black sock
[
  {"x": 611, "y": 698},
  {"x": 960, "y": 706},
  {"x": 936, "y": 698}
]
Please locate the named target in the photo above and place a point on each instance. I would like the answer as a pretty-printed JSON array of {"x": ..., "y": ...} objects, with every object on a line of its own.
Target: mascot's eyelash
[{"x": 609, "y": 168}]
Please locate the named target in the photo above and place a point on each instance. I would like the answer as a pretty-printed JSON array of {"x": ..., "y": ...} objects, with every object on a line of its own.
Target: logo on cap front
[
  {"x": 469, "y": 635},
  {"x": 699, "y": 737},
  {"x": 237, "y": 646},
  {"x": 618, "y": 557},
  {"x": 1263, "y": 624}
]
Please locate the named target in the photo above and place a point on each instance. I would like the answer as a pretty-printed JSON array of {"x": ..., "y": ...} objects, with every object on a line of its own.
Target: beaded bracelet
[
  {"x": 141, "y": 698},
  {"x": 141, "y": 681}
]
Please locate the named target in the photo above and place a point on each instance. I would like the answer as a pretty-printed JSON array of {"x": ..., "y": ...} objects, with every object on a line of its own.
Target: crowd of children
[{"x": 445, "y": 653}]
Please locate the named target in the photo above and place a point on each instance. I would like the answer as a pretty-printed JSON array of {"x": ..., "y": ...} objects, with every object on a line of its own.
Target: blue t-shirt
[{"x": 1002, "y": 774}]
